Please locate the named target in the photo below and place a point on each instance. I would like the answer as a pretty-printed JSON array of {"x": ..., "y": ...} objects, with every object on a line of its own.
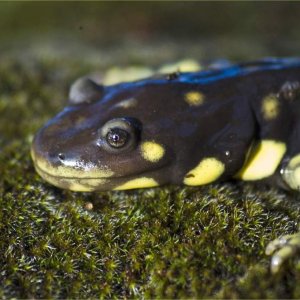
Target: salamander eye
[
  {"x": 119, "y": 134},
  {"x": 117, "y": 137}
]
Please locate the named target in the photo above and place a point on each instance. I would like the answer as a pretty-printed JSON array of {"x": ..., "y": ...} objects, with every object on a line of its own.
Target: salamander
[{"x": 241, "y": 121}]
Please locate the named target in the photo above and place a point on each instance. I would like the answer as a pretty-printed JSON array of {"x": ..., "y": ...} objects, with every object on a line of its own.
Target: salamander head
[{"x": 107, "y": 138}]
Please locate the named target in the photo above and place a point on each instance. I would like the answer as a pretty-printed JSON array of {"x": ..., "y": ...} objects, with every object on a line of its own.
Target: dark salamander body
[{"x": 242, "y": 121}]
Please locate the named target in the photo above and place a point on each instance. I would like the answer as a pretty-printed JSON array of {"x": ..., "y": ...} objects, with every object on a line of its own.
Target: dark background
[{"x": 210, "y": 30}]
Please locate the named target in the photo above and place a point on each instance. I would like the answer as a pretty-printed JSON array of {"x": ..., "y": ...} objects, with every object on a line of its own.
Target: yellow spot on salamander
[
  {"x": 127, "y": 103},
  {"x": 263, "y": 161},
  {"x": 137, "y": 183},
  {"x": 152, "y": 151},
  {"x": 294, "y": 162},
  {"x": 186, "y": 65},
  {"x": 208, "y": 170},
  {"x": 270, "y": 107},
  {"x": 85, "y": 185},
  {"x": 291, "y": 174},
  {"x": 116, "y": 75},
  {"x": 77, "y": 187},
  {"x": 194, "y": 98}
]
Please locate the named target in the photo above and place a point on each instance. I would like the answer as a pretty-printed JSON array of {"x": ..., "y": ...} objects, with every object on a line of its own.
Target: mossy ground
[{"x": 170, "y": 242}]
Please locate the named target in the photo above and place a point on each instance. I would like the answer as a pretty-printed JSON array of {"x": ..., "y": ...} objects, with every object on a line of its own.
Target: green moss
[{"x": 170, "y": 242}]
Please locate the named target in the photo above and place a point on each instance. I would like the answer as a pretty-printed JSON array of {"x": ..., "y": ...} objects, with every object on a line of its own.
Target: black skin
[{"x": 224, "y": 126}]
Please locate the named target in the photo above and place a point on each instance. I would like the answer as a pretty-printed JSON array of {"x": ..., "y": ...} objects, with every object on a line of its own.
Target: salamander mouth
[
  {"x": 70, "y": 178},
  {"x": 76, "y": 184},
  {"x": 44, "y": 173},
  {"x": 89, "y": 183}
]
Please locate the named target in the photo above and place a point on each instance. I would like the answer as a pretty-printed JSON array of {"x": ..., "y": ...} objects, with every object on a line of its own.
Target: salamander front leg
[
  {"x": 288, "y": 175},
  {"x": 273, "y": 116}
]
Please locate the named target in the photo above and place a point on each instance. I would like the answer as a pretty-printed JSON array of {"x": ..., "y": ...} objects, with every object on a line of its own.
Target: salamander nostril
[{"x": 61, "y": 156}]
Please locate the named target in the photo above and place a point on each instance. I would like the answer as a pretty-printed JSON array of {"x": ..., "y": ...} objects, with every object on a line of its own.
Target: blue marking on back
[{"x": 209, "y": 76}]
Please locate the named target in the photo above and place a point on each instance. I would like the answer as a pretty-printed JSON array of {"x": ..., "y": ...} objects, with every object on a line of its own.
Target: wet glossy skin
[
  {"x": 190, "y": 128},
  {"x": 242, "y": 121}
]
